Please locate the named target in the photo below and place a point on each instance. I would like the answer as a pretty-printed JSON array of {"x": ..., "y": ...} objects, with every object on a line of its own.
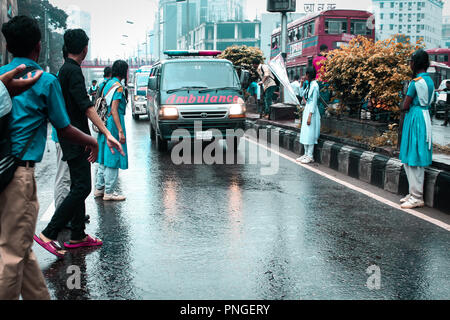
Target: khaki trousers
[{"x": 19, "y": 270}]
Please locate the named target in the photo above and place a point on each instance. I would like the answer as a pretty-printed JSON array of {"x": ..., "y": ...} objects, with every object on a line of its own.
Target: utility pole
[
  {"x": 47, "y": 41},
  {"x": 188, "y": 25},
  {"x": 284, "y": 30}
]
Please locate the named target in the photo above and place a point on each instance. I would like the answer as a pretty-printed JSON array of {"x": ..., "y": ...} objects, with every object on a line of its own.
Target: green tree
[
  {"x": 242, "y": 57},
  {"x": 56, "y": 22}
]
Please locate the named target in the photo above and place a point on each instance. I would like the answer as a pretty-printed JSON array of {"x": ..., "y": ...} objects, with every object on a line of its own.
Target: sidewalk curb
[{"x": 374, "y": 168}]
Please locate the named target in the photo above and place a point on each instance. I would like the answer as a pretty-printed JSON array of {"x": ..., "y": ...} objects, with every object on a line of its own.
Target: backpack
[
  {"x": 101, "y": 105},
  {"x": 9, "y": 163}
]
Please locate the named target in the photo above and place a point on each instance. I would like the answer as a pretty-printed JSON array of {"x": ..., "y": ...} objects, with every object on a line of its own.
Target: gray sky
[{"x": 109, "y": 20}]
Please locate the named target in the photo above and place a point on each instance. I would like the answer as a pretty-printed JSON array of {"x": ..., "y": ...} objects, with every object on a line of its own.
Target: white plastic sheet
[{"x": 278, "y": 68}]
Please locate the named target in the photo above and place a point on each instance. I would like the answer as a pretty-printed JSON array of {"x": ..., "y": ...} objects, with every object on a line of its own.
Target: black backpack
[{"x": 9, "y": 163}]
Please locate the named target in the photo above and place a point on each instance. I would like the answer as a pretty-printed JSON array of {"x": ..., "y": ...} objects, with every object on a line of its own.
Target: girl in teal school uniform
[
  {"x": 416, "y": 151},
  {"x": 109, "y": 163},
  {"x": 310, "y": 132}
]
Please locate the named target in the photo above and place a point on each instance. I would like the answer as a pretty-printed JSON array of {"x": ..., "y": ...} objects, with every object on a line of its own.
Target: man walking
[
  {"x": 268, "y": 83},
  {"x": 79, "y": 108},
  {"x": 20, "y": 274}
]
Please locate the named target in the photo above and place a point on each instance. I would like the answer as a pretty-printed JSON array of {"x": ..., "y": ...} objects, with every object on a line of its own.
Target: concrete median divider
[{"x": 373, "y": 168}]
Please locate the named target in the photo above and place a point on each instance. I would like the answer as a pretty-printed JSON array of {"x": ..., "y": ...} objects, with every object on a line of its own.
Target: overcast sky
[{"x": 109, "y": 20}]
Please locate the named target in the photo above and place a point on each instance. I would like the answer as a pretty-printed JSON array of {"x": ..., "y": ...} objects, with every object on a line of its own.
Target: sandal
[
  {"x": 90, "y": 242},
  {"x": 51, "y": 246}
]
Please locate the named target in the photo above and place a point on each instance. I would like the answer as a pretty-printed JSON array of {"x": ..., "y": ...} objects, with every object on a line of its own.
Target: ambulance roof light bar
[{"x": 192, "y": 53}]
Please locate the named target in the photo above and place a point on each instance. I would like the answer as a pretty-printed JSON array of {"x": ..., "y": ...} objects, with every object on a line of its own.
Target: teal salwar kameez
[
  {"x": 109, "y": 163},
  {"x": 416, "y": 151}
]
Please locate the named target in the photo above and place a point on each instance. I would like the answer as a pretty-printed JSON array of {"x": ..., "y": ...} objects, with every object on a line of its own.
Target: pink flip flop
[
  {"x": 51, "y": 246},
  {"x": 91, "y": 242}
]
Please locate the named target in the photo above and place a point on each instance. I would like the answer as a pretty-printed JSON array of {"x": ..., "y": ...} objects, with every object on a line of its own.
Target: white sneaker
[
  {"x": 405, "y": 198},
  {"x": 307, "y": 160},
  {"x": 114, "y": 197},
  {"x": 99, "y": 193},
  {"x": 413, "y": 203},
  {"x": 301, "y": 158}
]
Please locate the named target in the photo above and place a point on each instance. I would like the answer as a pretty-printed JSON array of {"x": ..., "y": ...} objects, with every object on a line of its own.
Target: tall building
[
  {"x": 414, "y": 19},
  {"x": 445, "y": 32},
  {"x": 78, "y": 19},
  {"x": 221, "y": 35}
]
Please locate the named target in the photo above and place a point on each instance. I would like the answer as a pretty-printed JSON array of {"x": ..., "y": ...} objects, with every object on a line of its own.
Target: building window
[
  {"x": 381, "y": 27},
  {"x": 401, "y": 5},
  {"x": 381, "y": 16},
  {"x": 391, "y": 27},
  {"x": 392, "y": 4},
  {"x": 381, "y": 5}
]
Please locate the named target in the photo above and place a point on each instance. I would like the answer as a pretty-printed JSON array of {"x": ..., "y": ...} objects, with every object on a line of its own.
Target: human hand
[
  {"x": 122, "y": 138},
  {"x": 93, "y": 148},
  {"x": 114, "y": 144},
  {"x": 18, "y": 86}
]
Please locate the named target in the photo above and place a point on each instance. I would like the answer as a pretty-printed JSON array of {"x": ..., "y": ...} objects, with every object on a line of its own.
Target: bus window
[
  {"x": 442, "y": 58},
  {"x": 311, "y": 30},
  {"x": 300, "y": 33},
  {"x": 335, "y": 26},
  {"x": 359, "y": 27},
  {"x": 275, "y": 42},
  {"x": 291, "y": 36}
]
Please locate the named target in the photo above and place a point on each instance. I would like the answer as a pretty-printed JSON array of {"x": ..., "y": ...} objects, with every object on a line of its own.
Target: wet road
[{"x": 227, "y": 232}]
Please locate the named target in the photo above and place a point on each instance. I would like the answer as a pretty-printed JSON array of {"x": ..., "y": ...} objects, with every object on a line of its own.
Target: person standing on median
[
  {"x": 20, "y": 274},
  {"x": 416, "y": 150},
  {"x": 110, "y": 163},
  {"x": 79, "y": 108},
  {"x": 268, "y": 83},
  {"x": 310, "y": 131}
]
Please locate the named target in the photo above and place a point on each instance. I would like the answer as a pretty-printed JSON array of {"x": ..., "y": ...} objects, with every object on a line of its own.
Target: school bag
[
  {"x": 9, "y": 163},
  {"x": 101, "y": 105}
]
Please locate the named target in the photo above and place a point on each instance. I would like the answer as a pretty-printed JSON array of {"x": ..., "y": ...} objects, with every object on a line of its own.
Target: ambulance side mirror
[
  {"x": 245, "y": 78},
  {"x": 153, "y": 83}
]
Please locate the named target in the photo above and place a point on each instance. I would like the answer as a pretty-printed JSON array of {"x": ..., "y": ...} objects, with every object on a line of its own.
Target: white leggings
[
  {"x": 309, "y": 150},
  {"x": 416, "y": 178}
]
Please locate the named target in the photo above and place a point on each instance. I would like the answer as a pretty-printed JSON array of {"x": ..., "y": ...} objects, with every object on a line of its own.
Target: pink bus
[{"x": 332, "y": 28}]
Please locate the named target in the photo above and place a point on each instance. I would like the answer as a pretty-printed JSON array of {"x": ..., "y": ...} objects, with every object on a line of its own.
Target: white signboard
[{"x": 296, "y": 49}]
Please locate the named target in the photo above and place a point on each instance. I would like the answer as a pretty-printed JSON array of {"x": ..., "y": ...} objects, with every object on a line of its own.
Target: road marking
[
  {"x": 415, "y": 213},
  {"x": 49, "y": 213}
]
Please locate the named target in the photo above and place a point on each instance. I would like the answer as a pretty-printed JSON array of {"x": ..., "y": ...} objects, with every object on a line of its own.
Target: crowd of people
[
  {"x": 29, "y": 98},
  {"x": 26, "y": 107}
]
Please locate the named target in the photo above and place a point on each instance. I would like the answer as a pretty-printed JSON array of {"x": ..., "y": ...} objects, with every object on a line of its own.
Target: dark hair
[
  {"x": 297, "y": 77},
  {"x": 120, "y": 69},
  {"x": 22, "y": 34},
  {"x": 75, "y": 40},
  {"x": 107, "y": 72},
  {"x": 256, "y": 61},
  {"x": 94, "y": 81},
  {"x": 311, "y": 72},
  {"x": 323, "y": 47},
  {"x": 421, "y": 61},
  {"x": 64, "y": 52},
  {"x": 448, "y": 82}
]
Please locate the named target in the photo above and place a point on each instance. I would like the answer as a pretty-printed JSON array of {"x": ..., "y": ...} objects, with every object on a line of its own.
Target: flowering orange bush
[{"x": 366, "y": 70}]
